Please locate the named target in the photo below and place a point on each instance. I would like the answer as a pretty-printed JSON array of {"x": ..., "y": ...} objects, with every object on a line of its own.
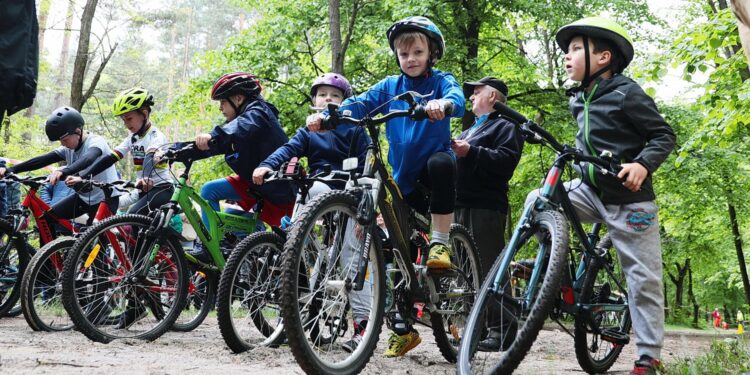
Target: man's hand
[
  {"x": 460, "y": 147},
  {"x": 435, "y": 109},
  {"x": 201, "y": 141},
  {"x": 144, "y": 184},
  {"x": 3, "y": 170},
  {"x": 71, "y": 180},
  {"x": 259, "y": 173},
  {"x": 314, "y": 122},
  {"x": 54, "y": 177},
  {"x": 636, "y": 173}
]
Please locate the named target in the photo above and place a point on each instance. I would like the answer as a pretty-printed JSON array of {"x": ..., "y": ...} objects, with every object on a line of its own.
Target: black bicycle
[
  {"x": 333, "y": 267},
  {"x": 533, "y": 277}
]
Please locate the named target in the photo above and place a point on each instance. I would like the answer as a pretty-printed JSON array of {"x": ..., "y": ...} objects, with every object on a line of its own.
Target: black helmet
[{"x": 61, "y": 122}]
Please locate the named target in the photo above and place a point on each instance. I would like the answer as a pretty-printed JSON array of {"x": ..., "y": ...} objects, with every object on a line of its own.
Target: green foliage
[{"x": 728, "y": 356}]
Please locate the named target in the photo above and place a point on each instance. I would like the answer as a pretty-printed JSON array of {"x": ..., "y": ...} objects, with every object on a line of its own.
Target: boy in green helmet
[{"x": 616, "y": 115}]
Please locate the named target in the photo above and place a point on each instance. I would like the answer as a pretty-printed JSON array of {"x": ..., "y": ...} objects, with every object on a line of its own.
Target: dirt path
[{"x": 25, "y": 351}]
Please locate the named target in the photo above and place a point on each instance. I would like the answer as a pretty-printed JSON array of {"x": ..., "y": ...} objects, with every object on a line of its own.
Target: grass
[{"x": 727, "y": 356}]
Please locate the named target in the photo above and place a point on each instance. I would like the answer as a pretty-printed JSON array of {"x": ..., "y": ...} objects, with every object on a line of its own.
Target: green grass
[{"x": 727, "y": 356}]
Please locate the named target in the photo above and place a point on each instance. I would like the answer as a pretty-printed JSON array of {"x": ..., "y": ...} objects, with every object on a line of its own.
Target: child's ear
[{"x": 605, "y": 58}]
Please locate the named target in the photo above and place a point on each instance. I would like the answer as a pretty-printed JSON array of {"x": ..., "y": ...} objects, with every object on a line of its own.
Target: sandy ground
[{"x": 203, "y": 350}]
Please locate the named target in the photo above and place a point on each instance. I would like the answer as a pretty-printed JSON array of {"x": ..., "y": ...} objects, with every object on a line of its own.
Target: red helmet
[{"x": 236, "y": 83}]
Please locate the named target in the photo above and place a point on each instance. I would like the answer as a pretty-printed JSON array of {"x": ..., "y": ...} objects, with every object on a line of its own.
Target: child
[
  {"x": 419, "y": 150},
  {"x": 329, "y": 149},
  {"x": 79, "y": 150},
  {"x": 250, "y": 134},
  {"x": 615, "y": 114},
  {"x": 133, "y": 106}
]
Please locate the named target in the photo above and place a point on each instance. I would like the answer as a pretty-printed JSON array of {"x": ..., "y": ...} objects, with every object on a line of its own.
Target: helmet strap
[
  {"x": 145, "y": 125},
  {"x": 587, "y": 78}
]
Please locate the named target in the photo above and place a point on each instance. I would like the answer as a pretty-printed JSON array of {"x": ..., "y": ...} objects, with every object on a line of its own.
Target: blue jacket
[
  {"x": 322, "y": 148},
  {"x": 249, "y": 139},
  {"x": 411, "y": 143}
]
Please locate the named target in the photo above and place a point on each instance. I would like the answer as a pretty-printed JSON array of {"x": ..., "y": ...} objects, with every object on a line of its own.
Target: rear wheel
[
  {"x": 456, "y": 288},
  {"x": 41, "y": 288},
  {"x": 514, "y": 310},
  {"x": 12, "y": 267},
  {"x": 201, "y": 299},
  {"x": 249, "y": 288},
  {"x": 107, "y": 289}
]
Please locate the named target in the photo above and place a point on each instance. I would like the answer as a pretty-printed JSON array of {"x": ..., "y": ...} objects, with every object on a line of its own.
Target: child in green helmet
[
  {"x": 616, "y": 115},
  {"x": 133, "y": 106}
]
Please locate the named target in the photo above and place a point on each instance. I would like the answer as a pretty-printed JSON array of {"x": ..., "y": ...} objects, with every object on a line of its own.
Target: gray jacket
[{"x": 618, "y": 116}]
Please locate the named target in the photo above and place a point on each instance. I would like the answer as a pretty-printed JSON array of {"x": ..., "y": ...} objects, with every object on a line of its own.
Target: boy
[
  {"x": 615, "y": 114},
  {"x": 419, "y": 150}
]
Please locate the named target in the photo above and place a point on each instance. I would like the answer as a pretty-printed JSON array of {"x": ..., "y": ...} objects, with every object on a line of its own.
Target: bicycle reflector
[{"x": 350, "y": 164}]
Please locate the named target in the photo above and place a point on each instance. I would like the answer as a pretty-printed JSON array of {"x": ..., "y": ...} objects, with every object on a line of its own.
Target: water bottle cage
[{"x": 366, "y": 210}]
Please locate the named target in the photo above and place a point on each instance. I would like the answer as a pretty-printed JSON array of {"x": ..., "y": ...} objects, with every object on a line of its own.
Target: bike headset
[
  {"x": 599, "y": 28},
  {"x": 134, "y": 99},
  {"x": 423, "y": 25},
  {"x": 63, "y": 122},
  {"x": 241, "y": 83}
]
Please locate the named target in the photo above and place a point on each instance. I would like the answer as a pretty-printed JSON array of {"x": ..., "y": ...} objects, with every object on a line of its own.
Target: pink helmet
[
  {"x": 332, "y": 79},
  {"x": 236, "y": 83}
]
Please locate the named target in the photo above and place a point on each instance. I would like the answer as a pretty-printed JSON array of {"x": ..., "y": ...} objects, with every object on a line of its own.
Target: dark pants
[
  {"x": 487, "y": 227},
  {"x": 153, "y": 199},
  {"x": 440, "y": 178},
  {"x": 72, "y": 207}
]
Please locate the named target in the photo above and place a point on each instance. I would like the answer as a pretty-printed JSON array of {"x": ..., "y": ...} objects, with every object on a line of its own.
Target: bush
[{"x": 728, "y": 356}]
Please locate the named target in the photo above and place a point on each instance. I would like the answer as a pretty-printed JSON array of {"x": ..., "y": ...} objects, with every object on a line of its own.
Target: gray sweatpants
[{"x": 634, "y": 229}]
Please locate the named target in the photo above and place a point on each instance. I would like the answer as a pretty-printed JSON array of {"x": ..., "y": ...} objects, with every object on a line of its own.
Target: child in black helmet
[
  {"x": 616, "y": 115},
  {"x": 79, "y": 150}
]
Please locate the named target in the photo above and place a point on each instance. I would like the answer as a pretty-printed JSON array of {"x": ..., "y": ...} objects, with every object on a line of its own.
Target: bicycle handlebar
[
  {"x": 538, "y": 133},
  {"x": 416, "y": 112}
]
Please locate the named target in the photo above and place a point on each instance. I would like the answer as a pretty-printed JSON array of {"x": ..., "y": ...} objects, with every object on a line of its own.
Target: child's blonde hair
[{"x": 407, "y": 39}]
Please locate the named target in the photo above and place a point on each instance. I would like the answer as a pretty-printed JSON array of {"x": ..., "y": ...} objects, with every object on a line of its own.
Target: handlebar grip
[
  {"x": 419, "y": 113},
  {"x": 509, "y": 113},
  {"x": 448, "y": 108}
]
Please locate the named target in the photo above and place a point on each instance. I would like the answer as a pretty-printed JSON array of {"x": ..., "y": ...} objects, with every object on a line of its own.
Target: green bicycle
[{"x": 128, "y": 276}]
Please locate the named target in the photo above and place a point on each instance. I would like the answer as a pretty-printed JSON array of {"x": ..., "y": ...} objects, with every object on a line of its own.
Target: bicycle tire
[
  {"x": 552, "y": 228},
  {"x": 199, "y": 302},
  {"x": 42, "y": 311},
  {"x": 595, "y": 354},
  {"x": 465, "y": 259},
  {"x": 306, "y": 338},
  {"x": 116, "y": 308},
  {"x": 249, "y": 285},
  {"x": 11, "y": 270}
]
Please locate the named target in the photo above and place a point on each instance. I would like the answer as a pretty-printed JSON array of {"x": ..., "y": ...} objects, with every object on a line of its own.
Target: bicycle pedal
[{"x": 614, "y": 336}]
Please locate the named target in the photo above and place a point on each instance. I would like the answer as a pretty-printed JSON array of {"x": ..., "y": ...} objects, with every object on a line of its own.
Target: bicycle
[
  {"x": 148, "y": 281},
  {"x": 249, "y": 291},
  {"x": 333, "y": 264},
  {"x": 40, "y": 286},
  {"x": 18, "y": 243},
  {"x": 533, "y": 275}
]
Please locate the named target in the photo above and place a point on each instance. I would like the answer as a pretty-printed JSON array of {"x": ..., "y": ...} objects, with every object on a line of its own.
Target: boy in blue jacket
[{"x": 419, "y": 150}]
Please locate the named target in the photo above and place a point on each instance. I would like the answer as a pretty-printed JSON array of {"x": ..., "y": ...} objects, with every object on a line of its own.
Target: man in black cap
[{"x": 487, "y": 154}]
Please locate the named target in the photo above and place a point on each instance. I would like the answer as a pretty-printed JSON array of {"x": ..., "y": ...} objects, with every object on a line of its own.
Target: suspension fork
[{"x": 159, "y": 223}]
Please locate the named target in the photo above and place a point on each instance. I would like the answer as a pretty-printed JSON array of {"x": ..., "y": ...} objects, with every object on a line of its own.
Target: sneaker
[
  {"x": 201, "y": 254},
  {"x": 132, "y": 315},
  {"x": 495, "y": 341},
  {"x": 440, "y": 256},
  {"x": 359, "y": 331},
  {"x": 647, "y": 366},
  {"x": 400, "y": 345}
]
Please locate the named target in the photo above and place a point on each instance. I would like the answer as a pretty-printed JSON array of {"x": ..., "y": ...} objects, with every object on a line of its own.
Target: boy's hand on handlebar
[
  {"x": 259, "y": 173},
  {"x": 201, "y": 141},
  {"x": 54, "y": 177},
  {"x": 144, "y": 184},
  {"x": 633, "y": 175},
  {"x": 72, "y": 180},
  {"x": 314, "y": 122},
  {"x": 435, "y": 109}
]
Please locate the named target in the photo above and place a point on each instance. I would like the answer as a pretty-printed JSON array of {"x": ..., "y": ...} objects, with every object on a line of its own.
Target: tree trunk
[
  {"x": 691, "y": 296},
  {"x": 43, "y": 12},
  {"x": 82, "y": 55},
  {"x": 186, "y": 55},
  {"x": 738, "y": 248},
  {"x": 64, "y": 51},
  {"x": 334, "y": 17},
  {"x": 679, "y": 281}
]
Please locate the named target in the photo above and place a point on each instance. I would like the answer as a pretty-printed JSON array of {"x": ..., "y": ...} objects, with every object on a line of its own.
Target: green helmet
[
  {"x": 132, "y": 99},
  {"x": 600, "y": 28}
]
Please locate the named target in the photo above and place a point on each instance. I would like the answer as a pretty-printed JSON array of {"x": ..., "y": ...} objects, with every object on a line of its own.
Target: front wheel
[
  {"x": 516, "y": 297},
  {"x": 456, "y": 291},
  {"x": 249, "y": 293},
  {"x": 320, "y": 302},
  {"x": 41, "y": 288},
  {"x": 603, "y": 324},
  {"x": 122, "y": 281},
  {"x": 12, "y": 267},
  {"x": 201, "y": 298}
]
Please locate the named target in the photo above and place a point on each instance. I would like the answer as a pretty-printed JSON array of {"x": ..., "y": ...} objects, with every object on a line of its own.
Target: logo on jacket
[{"x": 639, "y": 220}]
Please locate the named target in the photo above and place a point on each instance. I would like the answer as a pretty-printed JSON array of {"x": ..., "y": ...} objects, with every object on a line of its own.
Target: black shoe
[
  {"x": 132, "y": 315},
  {"x": 499, "y": 340}
]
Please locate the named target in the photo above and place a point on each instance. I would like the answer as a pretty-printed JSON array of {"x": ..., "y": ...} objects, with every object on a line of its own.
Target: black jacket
[
  {"x": 484, "y": 172},
  {"x": 19, "y": 48},
  {"x": 618, "y": 116}
]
